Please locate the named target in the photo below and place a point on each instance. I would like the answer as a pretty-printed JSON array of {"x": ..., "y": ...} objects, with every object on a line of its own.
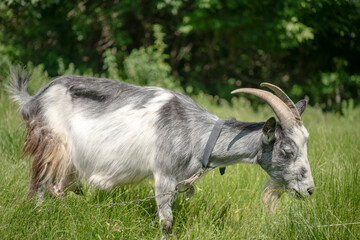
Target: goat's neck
[{"x": 238, "y": 142}]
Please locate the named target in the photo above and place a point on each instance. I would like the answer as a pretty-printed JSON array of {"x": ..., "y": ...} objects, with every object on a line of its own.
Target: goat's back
[{"x": 117, "y": 133}]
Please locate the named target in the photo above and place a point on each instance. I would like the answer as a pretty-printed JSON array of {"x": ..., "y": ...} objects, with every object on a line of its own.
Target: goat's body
[
  {"x": 111, "y": 133},
  {"x": 136, "y": 127}
]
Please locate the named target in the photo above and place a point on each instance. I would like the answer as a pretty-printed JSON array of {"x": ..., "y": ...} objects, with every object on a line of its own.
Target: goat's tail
[{"x": 19, "y": 80}]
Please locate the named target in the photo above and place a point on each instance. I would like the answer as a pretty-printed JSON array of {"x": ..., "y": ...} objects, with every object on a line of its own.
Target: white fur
[
  {"x": 115, "y": 148},
  {"x": 300, "y": 136}
]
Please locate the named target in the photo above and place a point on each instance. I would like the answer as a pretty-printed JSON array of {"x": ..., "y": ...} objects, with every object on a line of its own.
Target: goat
[{"x": 111, "y": 133}]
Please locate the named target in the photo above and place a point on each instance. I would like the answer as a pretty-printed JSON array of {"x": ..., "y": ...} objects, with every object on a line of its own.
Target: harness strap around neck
[{"x": 214, "y": 135}]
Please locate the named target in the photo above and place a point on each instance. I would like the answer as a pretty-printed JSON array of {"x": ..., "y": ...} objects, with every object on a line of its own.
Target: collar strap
[{"x": 214, "y": 135}]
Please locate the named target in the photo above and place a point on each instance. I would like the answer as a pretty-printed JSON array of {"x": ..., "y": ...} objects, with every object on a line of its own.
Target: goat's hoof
[
  {"x": 167, "y": 227},
  {"x": 190, "y": 193},
  {"x": 164, "y": 237},
  {"x": 78, "y": 191}
]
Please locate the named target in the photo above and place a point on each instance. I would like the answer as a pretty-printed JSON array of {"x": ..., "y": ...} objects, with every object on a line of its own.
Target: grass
[{"x": 223, "y": 207}]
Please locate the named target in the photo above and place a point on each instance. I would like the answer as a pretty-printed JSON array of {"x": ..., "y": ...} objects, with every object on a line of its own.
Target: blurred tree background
[{"x": 308, "y": 47}]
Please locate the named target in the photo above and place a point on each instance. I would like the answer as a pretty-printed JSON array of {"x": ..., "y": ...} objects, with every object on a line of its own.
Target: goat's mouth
[
  {"x": 302, "y": 194},
  {"x": 297, "y": 194}
]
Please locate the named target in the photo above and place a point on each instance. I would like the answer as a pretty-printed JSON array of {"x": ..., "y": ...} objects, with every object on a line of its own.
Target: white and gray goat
[{"x": 111, "y": 133}]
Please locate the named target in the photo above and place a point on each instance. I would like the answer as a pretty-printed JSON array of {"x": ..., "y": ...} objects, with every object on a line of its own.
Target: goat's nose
[{"x": 310, "y": 190}]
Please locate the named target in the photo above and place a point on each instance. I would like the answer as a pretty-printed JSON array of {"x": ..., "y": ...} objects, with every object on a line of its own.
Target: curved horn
[
  {"x": 282, "y": 95},
  {"x": 281, "y": 110}
]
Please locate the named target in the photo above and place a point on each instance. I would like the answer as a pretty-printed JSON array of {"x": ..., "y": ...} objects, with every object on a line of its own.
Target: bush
[{"x": 147, "y": 66}]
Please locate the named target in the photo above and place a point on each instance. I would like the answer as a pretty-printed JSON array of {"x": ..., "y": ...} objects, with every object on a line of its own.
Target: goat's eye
[{"x": 287, "y": 153}]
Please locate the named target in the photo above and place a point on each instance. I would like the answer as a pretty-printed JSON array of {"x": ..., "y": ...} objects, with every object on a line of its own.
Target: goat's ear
[
  {"x": 301, "y": 105},
  {"x": 269, "y": 130}
]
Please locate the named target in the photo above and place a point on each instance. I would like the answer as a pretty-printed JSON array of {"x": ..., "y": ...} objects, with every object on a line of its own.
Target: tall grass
[{"x": 224, "y": 207}]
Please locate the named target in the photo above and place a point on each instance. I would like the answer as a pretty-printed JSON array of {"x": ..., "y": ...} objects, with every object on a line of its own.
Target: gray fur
[{"x": 100, "y": 95}]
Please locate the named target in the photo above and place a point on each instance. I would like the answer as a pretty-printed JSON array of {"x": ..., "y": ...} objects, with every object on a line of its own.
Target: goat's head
[{"x": 284, "y": 151}]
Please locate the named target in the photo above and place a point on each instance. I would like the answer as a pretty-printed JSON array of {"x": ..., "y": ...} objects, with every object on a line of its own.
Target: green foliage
[
  {"x": 147, "y": 66},
  {"x": 332, "y": 89},
  {"x": 207, "y": 46},
  {"x": 111, "y": 66},
  {"x": 295, "y": 33}
]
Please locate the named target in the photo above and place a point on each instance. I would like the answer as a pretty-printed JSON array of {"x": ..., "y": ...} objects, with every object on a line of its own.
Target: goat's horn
[
  {"x": 281, "y": 110},
  {"x": 280, "y": 93}
]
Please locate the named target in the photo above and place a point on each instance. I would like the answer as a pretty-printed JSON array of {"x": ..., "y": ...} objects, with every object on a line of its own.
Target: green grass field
[{"x": 223, "y": 207}]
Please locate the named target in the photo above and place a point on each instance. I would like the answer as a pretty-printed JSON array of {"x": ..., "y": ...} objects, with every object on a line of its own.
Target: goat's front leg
[{"x": 165, "y": 199}]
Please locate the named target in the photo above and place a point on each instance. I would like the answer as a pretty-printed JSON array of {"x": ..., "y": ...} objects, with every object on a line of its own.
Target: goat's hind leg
[
  {"x": 40, "y": 192},
  {"x": 70, "y": 182},
  {"x": 50, "y": 159},
  {"x": 57, "y": 190}
]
